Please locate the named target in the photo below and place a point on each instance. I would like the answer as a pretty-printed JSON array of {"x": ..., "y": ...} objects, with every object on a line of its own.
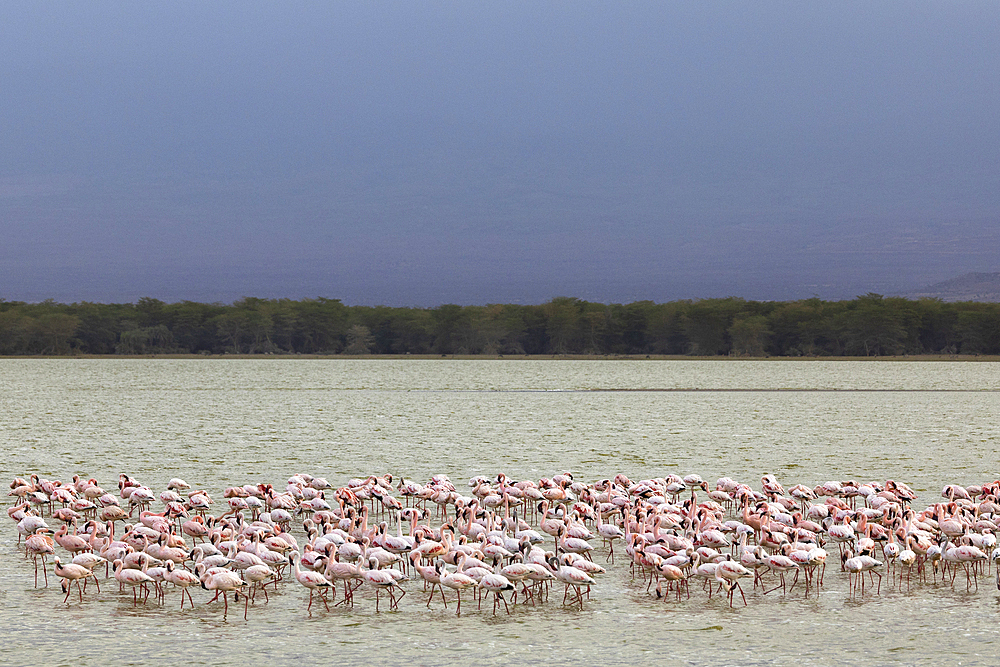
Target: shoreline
[{"x": 522, "y": 357}]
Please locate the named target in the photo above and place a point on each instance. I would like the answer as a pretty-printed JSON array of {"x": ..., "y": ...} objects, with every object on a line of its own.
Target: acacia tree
[
  {"x": 53, "y": 332},
  {"x": 749, "y": 336},
  {"x": 979, "y": 332},
  {"x": 562, "y": 324},
  {"x": 873, "y": 327},
  {"x": 319, "y": 325},
  {"x": 359, "y": 340},
  {"x": 15, "y": 331},
  {"x": 707, "y": 323}
]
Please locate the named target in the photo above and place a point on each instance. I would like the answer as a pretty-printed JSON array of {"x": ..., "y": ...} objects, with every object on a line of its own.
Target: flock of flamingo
[{"x": 378, "y": 533}]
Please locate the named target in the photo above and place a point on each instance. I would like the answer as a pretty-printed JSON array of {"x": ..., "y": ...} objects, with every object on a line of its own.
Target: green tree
[
  {"x": 15, "y": 331},
  {"x": 451, "y": 329},
  {"x": 359, "y": 340},
  {"x": 707, "y": 323},
  {"x": 53, "y": 332},
  {"x": 874, "y": 326},
  {"x": 749, "y": 336},
  {"x": 562, "y": 324},
  {"x": 320, "y": 325},
  {"x": 979, "y": 331},
  {"x": 665, "y": 329}
]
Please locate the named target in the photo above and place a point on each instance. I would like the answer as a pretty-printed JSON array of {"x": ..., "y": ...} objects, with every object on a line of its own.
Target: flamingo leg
[{"x": 401, "y": 594}]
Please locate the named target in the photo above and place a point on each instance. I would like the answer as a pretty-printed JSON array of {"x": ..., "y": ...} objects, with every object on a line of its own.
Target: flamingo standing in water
[
  {"x": 431, "y": 574},
  {"x": 346, "y": 572},
  {"x": 129, "y": 577},
  {"x": 571, "y": 576},
  {"x": 456, "y": 581},
  {"x": 383, "y": 580},
  {"x": 728, "y": 573},
  {"x": 312, "y": 580},
  {"x": 71, "y": 573},
  {"x": 224, "y": 582},
  {"x": 856, "y": 567},
  {"x": 496, "y": 583},
  {"x": 38, "y": 546},
  {"x": 610, "y": 532},
  {"x": 181, "y": 579},
  {"x": 780, "y": 564},
  {"x": 906, "y": 558}
]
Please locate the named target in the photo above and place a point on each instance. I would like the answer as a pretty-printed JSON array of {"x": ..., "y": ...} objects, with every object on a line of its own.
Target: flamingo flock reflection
[{"x": 508, "y": 541}]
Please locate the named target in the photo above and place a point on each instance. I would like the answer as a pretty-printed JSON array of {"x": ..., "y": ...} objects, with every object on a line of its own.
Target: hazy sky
[{"x": 419, "y": 153}]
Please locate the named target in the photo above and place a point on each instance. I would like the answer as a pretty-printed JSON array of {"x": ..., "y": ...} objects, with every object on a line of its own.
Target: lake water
[{"x": 220, "y": 422}]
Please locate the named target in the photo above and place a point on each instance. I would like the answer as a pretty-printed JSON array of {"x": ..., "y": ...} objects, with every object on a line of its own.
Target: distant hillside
[{"x": 970, "y": 287}]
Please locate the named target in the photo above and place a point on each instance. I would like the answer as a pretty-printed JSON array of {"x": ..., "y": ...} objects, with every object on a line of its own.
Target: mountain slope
[{"x": 969, "y": 287}]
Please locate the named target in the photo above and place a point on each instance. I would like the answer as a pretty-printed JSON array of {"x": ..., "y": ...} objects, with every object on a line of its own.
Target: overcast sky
[{"x": 419, "y": 153}]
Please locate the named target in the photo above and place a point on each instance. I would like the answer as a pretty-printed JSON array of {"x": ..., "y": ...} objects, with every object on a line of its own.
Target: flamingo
[
  {"x": 673, "y": 575},
  {"x": 314, "y": 581},
  {"x": 780, "y": 564},
  {"x": 224, "y": 582},
  {"x": 497, "y": 584},
  {"x": 857, "y": 566},
  {"x": 609, "y": 532},
  {"x": 906, "y": 558},
  {"x": 71, "y": 573},
  {"x": 130, "y": 577},
  {"x": 257, "y": 577},
  {"x": 345, "y": 572},
  {"x": 90, "y": 561},
  {"x": 456, "y": 581},
  {"x": 571, "y": 576},
  {"x": 431, "y": 575},
  {"x": 71, "y": 543},
  {"x": 728, "y": 573},
  {"x": 181, "y": 579},
  {"x": 39, "y": 545},
  {"x": 383, "y": 580}
]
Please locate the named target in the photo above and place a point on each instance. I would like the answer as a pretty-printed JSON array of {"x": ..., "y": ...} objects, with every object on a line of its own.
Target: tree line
[{"x": 869, "y": 325}]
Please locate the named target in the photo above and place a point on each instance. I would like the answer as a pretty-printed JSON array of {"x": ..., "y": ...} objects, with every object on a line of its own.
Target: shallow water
[{"x": 220, "y": 422}]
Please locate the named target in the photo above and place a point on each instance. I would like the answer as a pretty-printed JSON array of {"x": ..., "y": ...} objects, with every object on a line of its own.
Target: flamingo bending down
[
  {"x": 780, "y": 564},
  {"x": 728, "y": 573},
  {"x": 858, "y": 565},
  {"x": 225, "y": 582},
  {"x": 71, "y": 573}
]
